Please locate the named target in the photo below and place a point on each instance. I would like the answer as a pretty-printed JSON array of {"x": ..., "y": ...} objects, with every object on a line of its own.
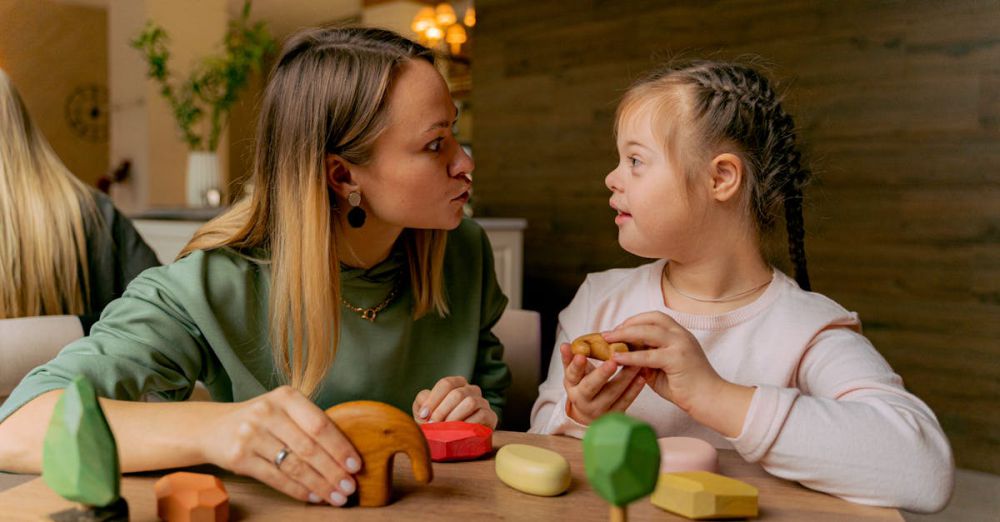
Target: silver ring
[{"x": 281, "y": 456}]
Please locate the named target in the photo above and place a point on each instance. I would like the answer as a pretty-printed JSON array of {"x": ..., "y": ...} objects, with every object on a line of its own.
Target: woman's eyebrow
[{"x": 444, "y": 124}]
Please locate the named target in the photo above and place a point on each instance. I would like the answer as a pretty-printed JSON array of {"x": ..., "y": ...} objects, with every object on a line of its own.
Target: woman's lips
[{"x": 463, "y": 197}]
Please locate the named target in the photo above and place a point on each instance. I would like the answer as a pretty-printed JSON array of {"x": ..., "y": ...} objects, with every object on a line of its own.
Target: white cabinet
[{"x": 168, "y": 237}]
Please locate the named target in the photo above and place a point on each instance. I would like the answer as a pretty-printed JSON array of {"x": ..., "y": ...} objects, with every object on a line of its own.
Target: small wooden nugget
[{"x": 593, "y": 345}]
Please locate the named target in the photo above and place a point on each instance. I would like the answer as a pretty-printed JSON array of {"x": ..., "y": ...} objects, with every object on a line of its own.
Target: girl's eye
[
  {"x": 435, "y": 145},
  {"x": 634, "y": 161}
]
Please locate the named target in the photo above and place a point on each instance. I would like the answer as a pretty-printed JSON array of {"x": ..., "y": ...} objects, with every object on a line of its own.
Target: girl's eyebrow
[{"x": 636, "y": 144}]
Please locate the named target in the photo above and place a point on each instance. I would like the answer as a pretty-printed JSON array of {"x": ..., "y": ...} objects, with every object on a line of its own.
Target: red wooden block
[
  {"x": 457, "y": 440},
  {"x": 191, "y": 497}
]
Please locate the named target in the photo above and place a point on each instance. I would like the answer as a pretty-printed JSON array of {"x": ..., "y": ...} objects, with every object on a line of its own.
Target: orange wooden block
[
  {"x": 191, "y": 497},
  {"x": 378, "y": 431},
  {"x": 457, "y": 440}
]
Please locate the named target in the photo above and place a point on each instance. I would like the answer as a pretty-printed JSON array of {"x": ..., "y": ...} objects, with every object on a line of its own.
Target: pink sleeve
[
  {"x": 548, "y": 415},
  {"x": 850, "y": 429}
]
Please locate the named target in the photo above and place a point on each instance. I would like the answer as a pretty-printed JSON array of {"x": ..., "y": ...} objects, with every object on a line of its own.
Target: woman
[
  {"x": 65, "y": 252},
  {"x": 348, "y": 274}
]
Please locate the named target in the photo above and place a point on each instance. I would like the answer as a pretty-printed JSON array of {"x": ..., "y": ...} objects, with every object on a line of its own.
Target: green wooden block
[
  {"x": 621, "y": 457},
  {"x": 79, "y": 456}
]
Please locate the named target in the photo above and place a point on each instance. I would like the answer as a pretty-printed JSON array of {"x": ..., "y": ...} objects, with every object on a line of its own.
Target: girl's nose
[{"x": 611, "y": 181}]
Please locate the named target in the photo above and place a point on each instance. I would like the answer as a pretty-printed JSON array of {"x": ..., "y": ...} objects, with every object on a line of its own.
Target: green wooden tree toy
[
  {"x": 80, "y": 457},
  {"x": 622, "y": 460}
]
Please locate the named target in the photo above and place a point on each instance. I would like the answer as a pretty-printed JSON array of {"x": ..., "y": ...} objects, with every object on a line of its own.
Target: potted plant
[{"x": 201, "y": 102}]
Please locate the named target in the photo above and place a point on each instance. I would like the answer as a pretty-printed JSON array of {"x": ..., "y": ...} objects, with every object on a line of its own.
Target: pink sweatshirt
[{"x": 827, "y": 412}]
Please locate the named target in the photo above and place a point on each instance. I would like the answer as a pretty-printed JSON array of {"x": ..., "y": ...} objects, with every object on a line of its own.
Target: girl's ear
[
  {"x": 339, "y": 176},
  {"x": 726, "y": 176}
]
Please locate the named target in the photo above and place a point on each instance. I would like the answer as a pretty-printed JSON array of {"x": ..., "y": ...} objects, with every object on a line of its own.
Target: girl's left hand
[
  {"x": 674, "y": 364},
  {"x": 454, "y": 399}
]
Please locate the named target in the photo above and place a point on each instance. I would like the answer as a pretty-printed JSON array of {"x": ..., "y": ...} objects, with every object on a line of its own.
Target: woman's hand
[
  {"x": 593, "y": 391},
  {"x": 320, "y": 460},
  {"x": 676, "y": 367},
  {"x": 454, "y": 399}
]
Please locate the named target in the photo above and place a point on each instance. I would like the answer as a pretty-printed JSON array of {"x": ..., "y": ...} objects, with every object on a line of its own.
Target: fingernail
[
  {"x": 314, "y": 498},
  {"x": 337, "y": 499},
  {"x": 424, "y": 413},
  {"x": 353, "y": 465},
  {"x": 347, "y": 486}
]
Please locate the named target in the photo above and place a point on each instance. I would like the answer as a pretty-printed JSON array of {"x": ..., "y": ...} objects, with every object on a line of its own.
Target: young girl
[
  {"x": 739, "y": 354},
  {"x": 349, "y": 274}
]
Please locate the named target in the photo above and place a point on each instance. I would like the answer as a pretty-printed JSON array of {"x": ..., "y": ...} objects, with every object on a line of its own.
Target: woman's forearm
[{"x": 149, "y": 435}]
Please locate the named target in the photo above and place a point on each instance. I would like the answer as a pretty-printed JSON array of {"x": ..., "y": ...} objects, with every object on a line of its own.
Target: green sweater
[{"x": 204, "y": 318}]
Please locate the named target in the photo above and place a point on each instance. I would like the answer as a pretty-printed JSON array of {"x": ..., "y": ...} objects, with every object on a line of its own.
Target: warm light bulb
[
  {"x": 434, "y": 34},
  {"x": 445, "y": 14},
  {"x": 456, "y": 36},
  {"x": 470, "y": 17},
  {"x": 423, "y": 20}
]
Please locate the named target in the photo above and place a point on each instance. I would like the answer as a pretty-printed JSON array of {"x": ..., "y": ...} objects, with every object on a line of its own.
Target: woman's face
[
  {"x": 419, "y": 176},
  {"x": 656, "y": 212}
]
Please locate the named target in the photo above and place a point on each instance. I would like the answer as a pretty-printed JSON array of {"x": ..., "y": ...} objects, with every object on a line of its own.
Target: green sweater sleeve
[
  {"x": 491, "y": 373},
  {"x": 146, "y": 343}
]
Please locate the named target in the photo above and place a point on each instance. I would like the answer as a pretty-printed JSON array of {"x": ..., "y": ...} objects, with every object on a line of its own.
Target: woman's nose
[{"x": 462, "y": 164}]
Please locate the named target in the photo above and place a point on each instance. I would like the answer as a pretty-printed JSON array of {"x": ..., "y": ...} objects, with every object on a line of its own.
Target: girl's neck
[
  {"x": 367, "y": 246},
  {"x": 716, "y": 284}
]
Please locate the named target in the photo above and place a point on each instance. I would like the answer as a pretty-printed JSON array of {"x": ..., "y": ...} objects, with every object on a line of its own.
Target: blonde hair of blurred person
[{"x": 43, "y": 208}]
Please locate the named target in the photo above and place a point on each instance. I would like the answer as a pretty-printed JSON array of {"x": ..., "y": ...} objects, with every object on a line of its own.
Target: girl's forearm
[
  {"x": 149, "y": 435},
  {"x": 725, "y": 410}
]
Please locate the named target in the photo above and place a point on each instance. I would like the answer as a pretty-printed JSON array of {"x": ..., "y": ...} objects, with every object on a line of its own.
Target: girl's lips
[{"x": 622, "y": 217}]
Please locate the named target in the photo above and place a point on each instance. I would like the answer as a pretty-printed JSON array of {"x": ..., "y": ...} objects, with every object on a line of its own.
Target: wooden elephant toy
[{"x": 378, "y": 431}]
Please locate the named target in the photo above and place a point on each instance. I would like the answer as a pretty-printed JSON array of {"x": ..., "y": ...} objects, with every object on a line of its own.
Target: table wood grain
[{"x": 465, "y": 491}]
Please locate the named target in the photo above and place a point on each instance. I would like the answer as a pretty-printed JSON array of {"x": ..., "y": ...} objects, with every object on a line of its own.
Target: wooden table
[{"x": 465, "y": 491}]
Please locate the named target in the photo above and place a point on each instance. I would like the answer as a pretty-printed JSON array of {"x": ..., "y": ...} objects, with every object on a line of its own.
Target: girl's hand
[
  {"x": 676, "y": 367},
  {"x": 454, "y": 399},
  {"x": 320, "y": 459},
  {"x": 593, "y": 391}
]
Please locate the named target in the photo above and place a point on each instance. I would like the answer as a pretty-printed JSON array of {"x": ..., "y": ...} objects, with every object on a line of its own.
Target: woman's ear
[
  {"x": 726, "y": 176},
  {"x": 339, "y": 176}
]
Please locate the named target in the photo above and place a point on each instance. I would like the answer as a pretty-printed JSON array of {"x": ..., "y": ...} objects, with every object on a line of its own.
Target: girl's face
[
  {"x": 656, "y": 209},
  {"x": 419, "y": 176}
]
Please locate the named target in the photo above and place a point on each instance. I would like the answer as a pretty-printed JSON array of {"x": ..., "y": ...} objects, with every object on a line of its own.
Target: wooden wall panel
[{"x": 898, "y": 107}]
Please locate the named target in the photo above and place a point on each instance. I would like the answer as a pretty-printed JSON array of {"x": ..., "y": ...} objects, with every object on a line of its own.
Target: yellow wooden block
[
  {"x": 533, "y": 470},
  {"x": 700, "y": 495}
]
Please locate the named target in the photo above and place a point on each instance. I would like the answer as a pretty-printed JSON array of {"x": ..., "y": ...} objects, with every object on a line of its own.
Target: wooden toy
[
  {"x": 594, "y": 345},
  {"x": 378, "y": 431},
  {"x": 687, "y": 454},
  {"x": 80, "y": 457},
  {"x": 449, "y": 441},
  {"x": 622, "y": 460},
  {"x": 191, "y": 497},
  {"x": 700, "y": 494},
  {"x": 533, "y": 470}
]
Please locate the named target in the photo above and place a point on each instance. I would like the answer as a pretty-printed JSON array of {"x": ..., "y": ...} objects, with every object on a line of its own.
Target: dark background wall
[{"x": 897, "y": 103}]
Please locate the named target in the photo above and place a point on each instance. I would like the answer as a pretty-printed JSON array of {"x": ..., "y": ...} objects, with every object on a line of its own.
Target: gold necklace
[
  {"x": 724, "y": 299},
  {"x": 371, "y": 313}
]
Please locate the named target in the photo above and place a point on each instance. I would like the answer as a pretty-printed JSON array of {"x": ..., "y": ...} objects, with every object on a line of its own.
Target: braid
[{"x": 736, "y": 104}]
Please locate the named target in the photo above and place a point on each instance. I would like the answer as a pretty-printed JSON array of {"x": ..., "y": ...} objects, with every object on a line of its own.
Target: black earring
[{"x": 356, "y": 216}]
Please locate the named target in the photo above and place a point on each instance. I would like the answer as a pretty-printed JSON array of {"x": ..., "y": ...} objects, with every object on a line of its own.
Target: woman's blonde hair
[
  {"x": 327, "y": 94},
  {"x": 43, "y": 206}
]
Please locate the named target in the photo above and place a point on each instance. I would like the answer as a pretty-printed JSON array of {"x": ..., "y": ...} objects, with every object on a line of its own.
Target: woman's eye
[{"x": 435, "y": 145}]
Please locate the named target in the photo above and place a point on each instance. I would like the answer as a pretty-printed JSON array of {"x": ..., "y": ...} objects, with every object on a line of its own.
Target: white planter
[{"x": 203, "y": 181}]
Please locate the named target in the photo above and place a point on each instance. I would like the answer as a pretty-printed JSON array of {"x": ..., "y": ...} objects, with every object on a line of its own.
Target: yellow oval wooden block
[
  {"x": 700, "y": 494},
  {"x": 532, "y": 470}
]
